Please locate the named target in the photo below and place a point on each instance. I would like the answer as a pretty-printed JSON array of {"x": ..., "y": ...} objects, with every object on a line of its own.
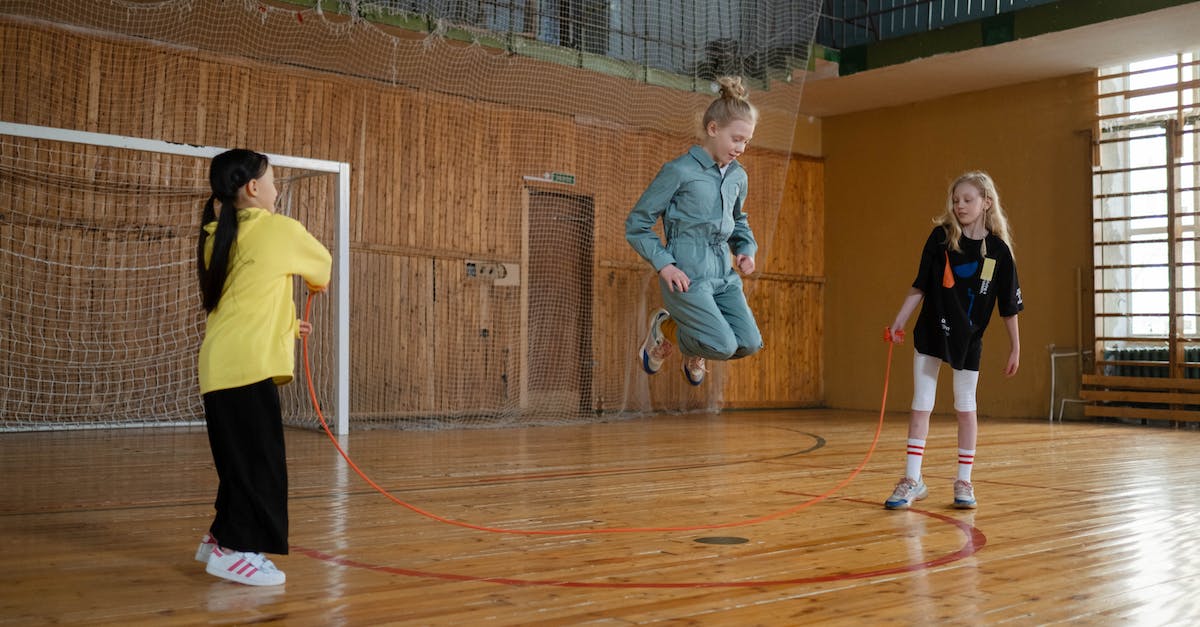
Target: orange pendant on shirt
[{"x": 948, "y": 275}]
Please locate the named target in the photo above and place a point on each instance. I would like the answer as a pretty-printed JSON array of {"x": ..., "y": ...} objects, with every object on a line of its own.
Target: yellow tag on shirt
[{"x": 989, "y": 267}]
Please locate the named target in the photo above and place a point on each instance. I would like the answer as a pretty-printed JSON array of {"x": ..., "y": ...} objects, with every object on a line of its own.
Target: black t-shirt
[{"x": 958, "y": 304}]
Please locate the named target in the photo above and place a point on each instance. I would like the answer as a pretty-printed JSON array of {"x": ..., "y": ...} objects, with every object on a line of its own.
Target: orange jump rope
[{"x": 569, "y": 532}]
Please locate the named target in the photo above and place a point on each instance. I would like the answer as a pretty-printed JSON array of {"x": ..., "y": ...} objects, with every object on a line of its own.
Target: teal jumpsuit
[{"x": 703, "y": 221}]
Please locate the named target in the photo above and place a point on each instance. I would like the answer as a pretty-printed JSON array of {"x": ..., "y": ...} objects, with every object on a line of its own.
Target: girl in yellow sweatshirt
[{"x": 246, "y": 257}]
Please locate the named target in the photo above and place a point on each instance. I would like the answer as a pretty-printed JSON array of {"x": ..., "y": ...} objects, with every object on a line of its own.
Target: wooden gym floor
[{"x": 1078, "y": 522}]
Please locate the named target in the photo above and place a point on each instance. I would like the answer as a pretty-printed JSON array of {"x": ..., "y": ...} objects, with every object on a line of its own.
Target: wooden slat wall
[
  {"x": 437, "y": 181},
  {"x": 787, "y": 298}
]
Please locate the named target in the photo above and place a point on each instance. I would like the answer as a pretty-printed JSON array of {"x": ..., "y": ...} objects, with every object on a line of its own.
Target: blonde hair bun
[
  {"x": 733, "y": 103},
  {"x": 732, "y": 87}
]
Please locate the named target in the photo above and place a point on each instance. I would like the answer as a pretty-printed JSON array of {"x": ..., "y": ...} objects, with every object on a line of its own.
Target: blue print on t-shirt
[{"x": 964, "y": 270}]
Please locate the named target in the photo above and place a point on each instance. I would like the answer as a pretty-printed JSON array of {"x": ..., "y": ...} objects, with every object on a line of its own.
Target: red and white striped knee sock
[
  {"x": 966, "y": 461},
  {"x": 916, "y": 453}
]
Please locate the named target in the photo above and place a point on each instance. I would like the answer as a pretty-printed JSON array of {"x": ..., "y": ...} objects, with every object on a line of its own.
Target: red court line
[{"x": 974, "y": 541}]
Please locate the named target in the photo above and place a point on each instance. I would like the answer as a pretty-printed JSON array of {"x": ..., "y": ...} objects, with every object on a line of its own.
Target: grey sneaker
[
  {"x": 657, "y": 347},
  {"x": 964, "y": 494},
  {"x": 906, "y": 493}
]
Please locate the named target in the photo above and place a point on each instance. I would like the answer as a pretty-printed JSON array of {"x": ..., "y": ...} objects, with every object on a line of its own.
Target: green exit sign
[{"x": 562, "y": 177}]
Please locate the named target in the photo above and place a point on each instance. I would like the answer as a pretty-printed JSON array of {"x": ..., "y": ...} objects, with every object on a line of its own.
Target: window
[{"x": 1146, "y": 223}]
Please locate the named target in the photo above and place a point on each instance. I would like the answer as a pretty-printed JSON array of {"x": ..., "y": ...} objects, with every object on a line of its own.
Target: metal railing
[
  {"x": 847, "y": 23},
  {"x": 700, "y": 38}
]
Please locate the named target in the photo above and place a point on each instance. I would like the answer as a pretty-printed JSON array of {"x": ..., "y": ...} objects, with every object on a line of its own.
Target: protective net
[
  {"x": 100, "y": 321},
  {"x": 496, "y": 148}
]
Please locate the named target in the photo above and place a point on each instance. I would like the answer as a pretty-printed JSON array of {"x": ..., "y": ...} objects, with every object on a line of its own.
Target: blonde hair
[
  {"x": 732, "y": 104},
  {"x": 993, "y": 216}
]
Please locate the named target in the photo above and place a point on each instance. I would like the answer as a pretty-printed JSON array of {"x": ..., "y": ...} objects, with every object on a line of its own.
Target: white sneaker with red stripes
[{"x": 252, "y": 569}]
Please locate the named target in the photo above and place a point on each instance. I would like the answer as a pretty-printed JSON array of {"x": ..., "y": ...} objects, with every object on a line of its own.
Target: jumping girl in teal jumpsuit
[{"x": 699, "y": 197}]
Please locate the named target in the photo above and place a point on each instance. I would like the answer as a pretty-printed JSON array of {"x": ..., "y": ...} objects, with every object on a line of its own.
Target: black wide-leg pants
[{"x": 245, "y": 431}]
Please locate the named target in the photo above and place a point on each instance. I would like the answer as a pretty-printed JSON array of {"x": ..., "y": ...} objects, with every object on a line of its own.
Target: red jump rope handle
[{"x": 894, "y": 337}]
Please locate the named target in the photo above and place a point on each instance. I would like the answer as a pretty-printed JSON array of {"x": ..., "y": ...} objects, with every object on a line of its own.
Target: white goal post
[{"x": 341, "y": 286}]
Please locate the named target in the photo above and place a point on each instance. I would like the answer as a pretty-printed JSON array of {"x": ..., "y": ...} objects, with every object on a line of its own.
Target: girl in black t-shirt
[{"x": 966, "y": 269}]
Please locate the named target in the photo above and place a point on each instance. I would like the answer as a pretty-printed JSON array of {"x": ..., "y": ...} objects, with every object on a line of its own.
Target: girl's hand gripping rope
[{"x": 893, "y": 337}]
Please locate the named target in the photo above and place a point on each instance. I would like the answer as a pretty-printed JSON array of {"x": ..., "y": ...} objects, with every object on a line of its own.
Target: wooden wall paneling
[
  {"x": 281, "y": 100},
  {"x": 364, "y": 347},
  {"x": 393, "y": 333},
  {"x": 402, "y": 188},
  {"x": 446, "y": 218},
  {"x": 470, "y": 173},
  {"x": 504, "y": 326},
  {"x": 617, "y": 319},
  {"x": 605, "y": 147},
  {"x": 396, "y": 186},
  {"x": 395, "y": 282},
  {"x": 358, "y": 192},
  {"x": 91, "y": 115},
  {"x": 419, "y": 208},
  {"x": 370, "y": 342},
  {"x": 11, "y": 65},
  {"x": 184, "y": 123},
  {"x": 441, "y": 169},
  {"x": 380, "y": 217},
  {"x": 459, "y": 178},
  {"x": 762, "y": 198},
  {"x": 488, "y": 142},
  {"x": 470, "y": 341},
  {"x": 787, "y": 372},
  {"x": 145, "y": 84},
  {"x": 412, "y": 321},
  {"x": 806, "y": 190},
  {"x": 327, "y": 115},
  {"x": 479, "y": 155},
  {"x": 502, "y": 187},
  {"x": 419, "y": 201},
  {"x": 43, "y": 97},
  {"x": 247, "y": 129},
  {"x": 218, "y": 129},
  {"x": 390, "y": 175}
]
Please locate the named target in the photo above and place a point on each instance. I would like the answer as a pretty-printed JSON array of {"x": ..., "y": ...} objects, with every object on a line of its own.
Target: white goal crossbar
[{"x": 341, "y": 263}]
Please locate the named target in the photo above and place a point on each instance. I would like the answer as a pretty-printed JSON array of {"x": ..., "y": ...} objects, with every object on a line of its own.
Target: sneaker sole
[
  {"x": 646, "y": 363},
  {"x": 964, "y": 505}
]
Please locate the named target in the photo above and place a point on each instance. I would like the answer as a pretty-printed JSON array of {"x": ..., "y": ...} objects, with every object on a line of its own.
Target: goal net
[
  {"x": 100, "y": 321},
  {"x": 495, "y": 148}
]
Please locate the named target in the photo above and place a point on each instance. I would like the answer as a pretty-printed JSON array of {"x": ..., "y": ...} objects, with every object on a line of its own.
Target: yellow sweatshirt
[{"x": 251, "y": 335}]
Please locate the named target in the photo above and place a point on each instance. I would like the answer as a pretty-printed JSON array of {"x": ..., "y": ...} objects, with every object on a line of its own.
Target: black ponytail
[{"x": 229, "y": 171}]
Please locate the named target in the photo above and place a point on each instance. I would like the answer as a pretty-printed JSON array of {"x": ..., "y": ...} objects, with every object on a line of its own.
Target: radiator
[{"x": 1143, "y": 354}]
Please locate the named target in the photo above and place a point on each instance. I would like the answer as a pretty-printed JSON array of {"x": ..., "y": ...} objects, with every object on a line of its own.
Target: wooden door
[{"x": 559, "y": 302}]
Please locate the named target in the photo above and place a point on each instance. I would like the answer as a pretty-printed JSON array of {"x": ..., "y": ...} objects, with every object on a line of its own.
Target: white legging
[{"x": 925, "y": 372}]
